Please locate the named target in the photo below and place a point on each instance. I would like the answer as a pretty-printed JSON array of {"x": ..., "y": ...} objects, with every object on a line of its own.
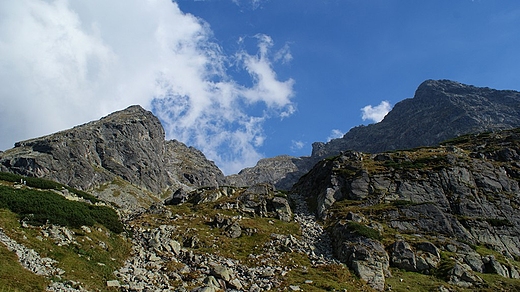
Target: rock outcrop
[
  {"x": 464, "y": 192},
  {"x": 257, "y": 200},
  {"x": 281, "y": 171},
  {"x": 126, "y": 147}
]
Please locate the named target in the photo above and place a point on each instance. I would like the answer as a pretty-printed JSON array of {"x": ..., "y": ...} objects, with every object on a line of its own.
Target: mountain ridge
[
  {"x": 439, "y": 110},
  {"x": 445, "y": 108}
]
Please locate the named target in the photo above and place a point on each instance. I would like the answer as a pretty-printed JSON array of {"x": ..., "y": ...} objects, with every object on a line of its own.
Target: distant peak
[
  {"x": 443, "y": 84},
  {"x": 436, "y": 88},
  {"x": 135, "y": 108}
]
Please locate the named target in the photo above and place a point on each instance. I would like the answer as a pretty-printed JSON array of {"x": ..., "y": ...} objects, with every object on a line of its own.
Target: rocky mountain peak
[
  {"x": 126, "y": 148},
  {"x": 430, "y": 86}
]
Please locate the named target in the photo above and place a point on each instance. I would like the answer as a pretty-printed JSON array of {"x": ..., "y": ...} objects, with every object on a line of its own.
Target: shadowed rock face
[{"x": 128, "y": 144}]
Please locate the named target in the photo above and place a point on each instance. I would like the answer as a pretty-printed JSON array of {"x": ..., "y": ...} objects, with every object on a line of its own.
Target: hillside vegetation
[{"x": 38, "y": 222}]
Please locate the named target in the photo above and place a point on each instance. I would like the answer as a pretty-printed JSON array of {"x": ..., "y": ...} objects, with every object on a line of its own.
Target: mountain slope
[{"x": 442, "y": 218}]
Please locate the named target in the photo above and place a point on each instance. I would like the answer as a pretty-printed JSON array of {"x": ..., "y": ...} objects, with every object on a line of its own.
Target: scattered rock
[
  {"x": 113, "y": 283},
  {"x": 493, "y": 266},
  {"x": 462, "y": 275}
]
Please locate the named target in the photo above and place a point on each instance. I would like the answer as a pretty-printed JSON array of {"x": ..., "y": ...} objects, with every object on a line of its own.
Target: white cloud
[
  {"x": 297, "y": 145},
  {"x": 334, "y": 134},
  {"x": 63, "y": 63},
  {"x": 377, "y": 113}
]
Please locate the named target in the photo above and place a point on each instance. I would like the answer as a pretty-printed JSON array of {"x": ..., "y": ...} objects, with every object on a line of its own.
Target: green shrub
[
  {"x": 44, "y": 184},
  {"x": 108, "y": 216},
  {"x": 363, "y": 230},
  {"x": 495, "y": 222},
  {"x": 41, "y": 207},
  {"x": 444, "y": 267},
  {"x": 6, "y": 176}
]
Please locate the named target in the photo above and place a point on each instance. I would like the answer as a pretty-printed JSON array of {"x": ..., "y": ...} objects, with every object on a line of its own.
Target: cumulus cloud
[
  {"x": 63, "y": 63},
  {"x": 377, "y": 113},
  {"x": 334, "y": 134}
]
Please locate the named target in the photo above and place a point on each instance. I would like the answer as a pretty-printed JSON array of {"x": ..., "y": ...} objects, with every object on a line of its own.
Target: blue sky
[{"x": 243, "y": 79}]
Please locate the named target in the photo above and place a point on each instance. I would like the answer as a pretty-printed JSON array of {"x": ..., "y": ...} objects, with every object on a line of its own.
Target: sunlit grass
[{"x": 14, "y": 277}]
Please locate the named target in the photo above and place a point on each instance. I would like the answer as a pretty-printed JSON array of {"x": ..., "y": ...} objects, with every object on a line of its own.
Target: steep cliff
[{"x": 122, "y": 157}]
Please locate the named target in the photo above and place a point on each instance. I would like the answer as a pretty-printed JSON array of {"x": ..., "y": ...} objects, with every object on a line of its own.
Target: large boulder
[
  {"x": 367, "y": 257},
  {"x": 402, "y": 256}
]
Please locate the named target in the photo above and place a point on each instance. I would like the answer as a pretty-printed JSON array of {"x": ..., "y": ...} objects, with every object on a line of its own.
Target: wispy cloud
[
  {"x": 65, "y": 63},
  {"x": 297, "y": 145},
  {"x": 252, "y": 4},
  {"x": 377, "y": 113}
]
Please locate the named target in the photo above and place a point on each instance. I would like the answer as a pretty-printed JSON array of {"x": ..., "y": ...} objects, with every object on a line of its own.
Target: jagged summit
[
  {"x": 425, "y": 89},
  {"x": 132, "y": 114}
]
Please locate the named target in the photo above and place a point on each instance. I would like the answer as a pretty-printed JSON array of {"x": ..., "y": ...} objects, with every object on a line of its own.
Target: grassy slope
[{"x": 89, "y": 262}]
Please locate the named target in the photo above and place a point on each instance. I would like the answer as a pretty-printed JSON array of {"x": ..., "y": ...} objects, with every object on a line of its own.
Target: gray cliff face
[
  {"x": 128, "y": 145},
  {"x": 465, "y": 192},
  {"x": 281, "y": 171},
  {"x": 190, "y": 167}
]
